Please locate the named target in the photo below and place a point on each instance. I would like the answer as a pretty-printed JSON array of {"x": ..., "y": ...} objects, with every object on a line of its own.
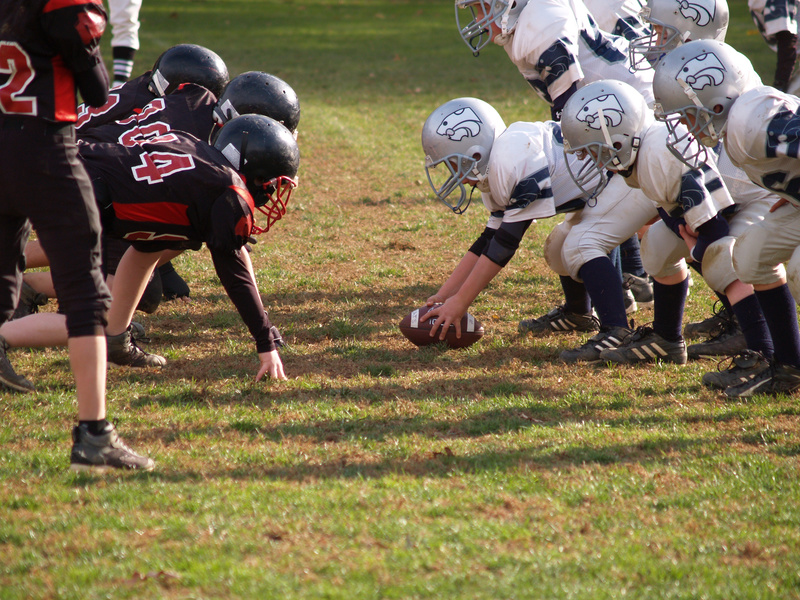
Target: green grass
[{"x": 379, "y": 470}]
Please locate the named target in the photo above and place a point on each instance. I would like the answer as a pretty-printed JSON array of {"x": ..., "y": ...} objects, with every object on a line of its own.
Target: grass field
[{"x": 380, "y": 470}]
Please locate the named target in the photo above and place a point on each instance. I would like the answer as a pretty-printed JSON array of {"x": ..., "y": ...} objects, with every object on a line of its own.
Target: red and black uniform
[
  {"x": 49, "y": 49},
  {"x": 177, "y": 192},
  {"x": 122, "y": 102},
  {"x": 190, "y": 108}
]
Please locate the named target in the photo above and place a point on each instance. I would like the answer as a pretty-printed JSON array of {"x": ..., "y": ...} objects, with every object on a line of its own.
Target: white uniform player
[
  {"x": 610, "y": 121},
  {"x": 711, "y": 87},
  {"x": 620, "y": 17},
  {"x": 124, "y": 18},
  {"x": 523, "y": 175}
]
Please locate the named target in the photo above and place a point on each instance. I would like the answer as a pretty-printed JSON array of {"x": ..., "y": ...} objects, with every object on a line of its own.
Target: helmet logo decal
[
  {"x": 699, "y": 11},
  {"x": 459, "y": 124},
  {"x": 612, "y": 111},
  {"x": 702, "y": 71}
]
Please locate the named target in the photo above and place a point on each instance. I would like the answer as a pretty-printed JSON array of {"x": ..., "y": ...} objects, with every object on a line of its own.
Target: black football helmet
[
  {"x": 265, "y": 153},
  {"x": 255, "y": 92},
  {"x": 188, "y": 63}
]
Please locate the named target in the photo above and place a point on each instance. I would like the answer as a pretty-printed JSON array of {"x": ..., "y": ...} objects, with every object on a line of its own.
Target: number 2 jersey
[{"x": 39, "y": 56}]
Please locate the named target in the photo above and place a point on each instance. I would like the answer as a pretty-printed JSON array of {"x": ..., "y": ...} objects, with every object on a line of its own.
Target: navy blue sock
[
  {"x": 780, "y": 312},
  {"x": 96, "y": 427},
  {"x": 754, "y": 326},
  {"x": 576, "y": 300},
  {"x": 668, "y": 304},
  {"x": 604, "y": 285},
  {"x": 631, "y": 258}
]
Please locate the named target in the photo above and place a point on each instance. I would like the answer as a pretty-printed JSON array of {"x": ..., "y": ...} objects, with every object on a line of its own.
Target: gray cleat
[
  {"x": 104, "y": 452},
  {"x": 8, "y": 376},
  {"x": 123, "y": 350}
]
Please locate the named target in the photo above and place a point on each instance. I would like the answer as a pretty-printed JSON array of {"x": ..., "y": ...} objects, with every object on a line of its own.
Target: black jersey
[
  {"x": 174, "y": 189},
  {"x": 44, "y": 43},
  {"x": 122, "y": 102},
  {"x": 190, "y": 109}
]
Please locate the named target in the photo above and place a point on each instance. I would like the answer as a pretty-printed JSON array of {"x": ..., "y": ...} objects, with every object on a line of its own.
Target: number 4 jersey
[{"x": 173, "y": 191}]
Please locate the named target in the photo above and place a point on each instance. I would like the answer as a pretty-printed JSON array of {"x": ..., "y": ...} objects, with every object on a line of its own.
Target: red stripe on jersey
[
  {"x": 57, "y": 4},
  {"x": 153, "y": 212},
  {"x": 63, "y": 92}
]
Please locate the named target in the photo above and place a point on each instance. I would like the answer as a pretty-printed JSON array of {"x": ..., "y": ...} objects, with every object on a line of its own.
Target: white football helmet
[
  {"x": 695, "y": 86},
  {"x": 603, "y": 122},
  {"x": 674, "y": 22},
  {"x": 459, "y": 136},
  {"x": 477, "y": 32}
]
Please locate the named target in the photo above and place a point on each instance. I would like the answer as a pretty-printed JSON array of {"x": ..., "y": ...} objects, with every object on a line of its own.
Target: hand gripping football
[{"x": 416, "y": 328}]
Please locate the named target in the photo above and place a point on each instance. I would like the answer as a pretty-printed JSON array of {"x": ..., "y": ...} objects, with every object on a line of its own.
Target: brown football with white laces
[{"x": 417, "y": 329}]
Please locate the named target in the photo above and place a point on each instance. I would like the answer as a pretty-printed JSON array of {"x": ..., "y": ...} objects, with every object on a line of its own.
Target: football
[{"x": 416, "y": 329}]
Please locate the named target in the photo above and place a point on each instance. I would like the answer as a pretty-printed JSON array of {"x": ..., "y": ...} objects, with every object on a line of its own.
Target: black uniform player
[
  {"x": 176, "y": 192},
  {"x": 47, "y": 49}
]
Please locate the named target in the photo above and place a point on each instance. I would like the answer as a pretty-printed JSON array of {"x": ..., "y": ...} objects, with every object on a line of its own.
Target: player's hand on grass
[{"x": 271, "y": 365}]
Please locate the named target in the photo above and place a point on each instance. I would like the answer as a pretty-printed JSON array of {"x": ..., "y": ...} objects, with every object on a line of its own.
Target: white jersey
[
  {"x": 528, "y": 176},
  {"x": 620, "y": 17},
  {"x": 762, "y": 137},
  {"x": 696, "y": 196},
  {"x": 772, "y": 16},
  {"x": 557, "y": 43}
]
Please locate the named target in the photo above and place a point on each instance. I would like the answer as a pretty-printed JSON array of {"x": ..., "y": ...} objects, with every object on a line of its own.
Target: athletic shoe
[
  {"x": 104, "y": 452},
  {"x": 630, "y": 302},
  {"x": 717, "y": 323},
  {"x": 776, "y": 379},
  {"x": 559, "y": 320},
  {"x": 645, "y": 345},
  {"x": 640, "y": 287},
  {"x": 590, "y": 351},
  {"x": 740, "y": 369},
  {"x": 123, "y": 350},
  {"x": 29, "y": 302},
  {"x": 727, "y": 343},
  {"x": 8, "y": 376}
]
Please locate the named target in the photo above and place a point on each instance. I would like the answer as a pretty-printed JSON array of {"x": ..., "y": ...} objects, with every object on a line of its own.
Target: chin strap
[
  {"x": 692, "y": 95},
  {"x": 504, "y": 19}
]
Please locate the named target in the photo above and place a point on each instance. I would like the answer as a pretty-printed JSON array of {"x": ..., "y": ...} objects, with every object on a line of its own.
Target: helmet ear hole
[
  {"x": 617, "y": 145},
  {"x": 718, "y": 108}
]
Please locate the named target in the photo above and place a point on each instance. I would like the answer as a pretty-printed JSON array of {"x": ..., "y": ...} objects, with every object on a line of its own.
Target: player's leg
[
  {"x": 124, "y": 20},
  {"x": 130, "y": 280}
]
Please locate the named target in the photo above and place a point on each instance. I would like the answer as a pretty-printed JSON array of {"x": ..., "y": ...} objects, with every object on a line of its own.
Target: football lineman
[
  {"x": 611, "y": 123},
  {"x": 557, "y": 48},
  {"x": 522, "y": 175},
  {"x": 173, "y": 193},
  {"x": 45, "y": 185},
  {"x": 711, "y": 88}
]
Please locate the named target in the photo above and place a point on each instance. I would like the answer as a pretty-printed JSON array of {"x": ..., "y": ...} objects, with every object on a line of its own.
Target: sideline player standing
[
  {"x": 47, "y": 49},
  {"x": 123, "y": 15}
]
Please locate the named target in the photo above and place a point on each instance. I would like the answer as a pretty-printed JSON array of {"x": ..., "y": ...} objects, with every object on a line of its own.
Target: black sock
[
  {"x": 631, "y": 257},
  {"x": 668, "y": 304},
  {"x": 576, "y": 300},
  {"x": 780, "y": 312},
  {"x": 97, "y": 427},
  {"x": 123, "y": 63},
  {"x": 603, "y": 283},
  {"x": 754, "y": 326}
]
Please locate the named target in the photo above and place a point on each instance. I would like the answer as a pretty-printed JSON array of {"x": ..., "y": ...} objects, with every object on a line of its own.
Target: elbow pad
[
  {"x": 482, "y": 242},
  {"x": 505, "y": 243},
  {"x": 708, "y": 233},
  {"x": 93, "y": 85}
]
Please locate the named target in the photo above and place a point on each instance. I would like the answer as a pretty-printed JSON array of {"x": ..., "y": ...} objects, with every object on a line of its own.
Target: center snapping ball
[{"x": 416, "y": 328}]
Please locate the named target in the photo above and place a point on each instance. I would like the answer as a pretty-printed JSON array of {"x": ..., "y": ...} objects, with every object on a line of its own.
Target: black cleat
[
  {"x": 104, "y": 452},
  {"x": 123, "y": 350}
]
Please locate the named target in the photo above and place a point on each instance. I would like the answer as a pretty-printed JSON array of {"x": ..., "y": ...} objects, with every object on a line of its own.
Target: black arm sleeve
[
  {"x": 558, "y": 103},
  {"x": 708, "y": 233},
  {"x": 482, "y": 242},
  {"x": 93, "y": 85},
  {"x": 241, "y": 289},
  {"x": 505, "y": 242}
]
